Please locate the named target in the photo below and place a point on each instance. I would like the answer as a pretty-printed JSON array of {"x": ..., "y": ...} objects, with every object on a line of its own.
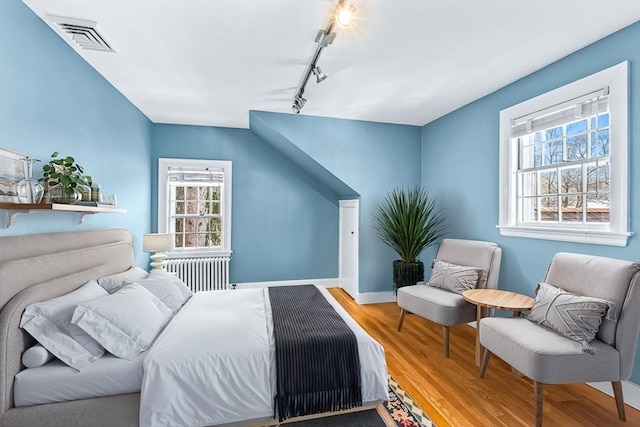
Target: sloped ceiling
[{"x": 403, "y": 61}]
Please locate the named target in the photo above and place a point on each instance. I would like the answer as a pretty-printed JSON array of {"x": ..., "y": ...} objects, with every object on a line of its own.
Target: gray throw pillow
[
  {"x": 454, "y": 278},
  {"x": 575, "y": 316}
]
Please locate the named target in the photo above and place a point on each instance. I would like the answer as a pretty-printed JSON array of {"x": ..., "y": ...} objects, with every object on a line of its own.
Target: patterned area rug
[{"x": 400, "y": 411}]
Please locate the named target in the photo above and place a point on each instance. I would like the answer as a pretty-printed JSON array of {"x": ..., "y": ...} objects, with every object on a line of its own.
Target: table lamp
[{"x": 159, "y": 243}]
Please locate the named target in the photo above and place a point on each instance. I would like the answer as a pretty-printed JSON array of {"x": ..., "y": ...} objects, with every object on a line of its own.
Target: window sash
[{"x": 200, "y": 218}]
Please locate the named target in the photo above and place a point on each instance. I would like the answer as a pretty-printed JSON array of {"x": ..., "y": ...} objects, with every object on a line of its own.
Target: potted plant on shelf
[
  {"x": 409, "y": 222},
  {"x": 63, "y": 179}
]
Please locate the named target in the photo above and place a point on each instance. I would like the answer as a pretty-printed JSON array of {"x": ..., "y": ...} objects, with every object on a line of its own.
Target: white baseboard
[
  {"x": 327, "y": 283},
  {"x": 630, "y": 392},
  {"x": 375, "y": 297}
]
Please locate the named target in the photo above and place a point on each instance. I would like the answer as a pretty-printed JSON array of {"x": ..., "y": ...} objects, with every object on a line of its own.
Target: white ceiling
[{"x": 208, "y": 62}]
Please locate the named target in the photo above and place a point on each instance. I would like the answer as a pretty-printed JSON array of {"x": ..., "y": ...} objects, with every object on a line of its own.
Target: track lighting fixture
[
  {"x": 320, "y": 76},
  {"x": 342, "y": 16}
]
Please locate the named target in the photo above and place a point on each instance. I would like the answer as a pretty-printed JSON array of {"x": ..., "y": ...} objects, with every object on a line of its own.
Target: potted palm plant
[{"x": 409, "y": 222}]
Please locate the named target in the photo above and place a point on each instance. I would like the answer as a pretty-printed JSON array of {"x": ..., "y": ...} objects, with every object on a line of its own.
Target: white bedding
[
  {"x": 57, "y": 382},
  {"x": 215, "y": 362}
]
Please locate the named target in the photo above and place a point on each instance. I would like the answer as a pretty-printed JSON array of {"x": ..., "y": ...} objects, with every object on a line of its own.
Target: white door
[{"x": 348, "y": 262}]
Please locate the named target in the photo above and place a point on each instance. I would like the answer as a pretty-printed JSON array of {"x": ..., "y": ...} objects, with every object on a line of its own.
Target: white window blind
[{"x": 583, "y": 106}]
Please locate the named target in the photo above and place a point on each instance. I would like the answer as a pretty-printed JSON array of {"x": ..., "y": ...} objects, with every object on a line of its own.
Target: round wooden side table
[{"x": 495, "y": 299}]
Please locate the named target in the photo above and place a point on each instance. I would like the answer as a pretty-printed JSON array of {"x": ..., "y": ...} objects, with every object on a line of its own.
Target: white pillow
[
  {"x": 182, "y": 287},
  {"x": 126, "y": 322},
  {"x": 165, "y": 289},
  {"x": 114, "y": 282},
  {"x": 49, "y": 322},
  {"x": 36, "y": 356}
]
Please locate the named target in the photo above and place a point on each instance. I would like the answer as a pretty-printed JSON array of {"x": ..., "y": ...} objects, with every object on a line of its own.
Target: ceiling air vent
[{"x": 84, "y": 33}]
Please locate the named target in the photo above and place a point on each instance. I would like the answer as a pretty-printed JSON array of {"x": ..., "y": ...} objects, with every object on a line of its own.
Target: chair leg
[
  {"x": 617, "y": 392},
  {"x": 445, "y": 340},
  {"x": 485, "y": 362},
  {"x": 537, "y": 391},
  {"x": 402, "y": 313}
]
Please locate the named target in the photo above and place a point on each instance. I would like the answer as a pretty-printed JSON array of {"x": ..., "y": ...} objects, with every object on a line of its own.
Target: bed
[{"x": 37, "y": 268}]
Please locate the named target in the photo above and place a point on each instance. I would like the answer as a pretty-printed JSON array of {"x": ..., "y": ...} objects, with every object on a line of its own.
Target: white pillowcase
[
  {"x": 126, "y": 322},
  {"x": 36, "y": 356},
  {"x": 114, "y": 282},
  {"x": 165, "y": 289},
  {"x": 49, "y": 322},
  {"x": 182, "y": 287}
]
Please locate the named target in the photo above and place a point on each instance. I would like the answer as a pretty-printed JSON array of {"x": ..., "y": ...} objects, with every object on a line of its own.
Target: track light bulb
[{"x": 344, "y": 15}]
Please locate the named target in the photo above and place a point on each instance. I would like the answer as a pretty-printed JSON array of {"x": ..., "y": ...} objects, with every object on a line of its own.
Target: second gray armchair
[{"x": 443, "y": 306}]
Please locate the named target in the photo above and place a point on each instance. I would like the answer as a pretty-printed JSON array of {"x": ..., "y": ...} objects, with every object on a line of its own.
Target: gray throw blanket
[{"x": 318, "y": 368}]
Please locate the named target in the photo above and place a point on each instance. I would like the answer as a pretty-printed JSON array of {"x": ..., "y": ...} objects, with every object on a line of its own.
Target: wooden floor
[{"x": 450, "y": 391}]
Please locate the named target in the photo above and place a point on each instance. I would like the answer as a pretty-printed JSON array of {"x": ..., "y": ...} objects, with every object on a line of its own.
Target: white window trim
[
  {"x": 616, "y": 78},
  {"x": 163, "y": 206}
]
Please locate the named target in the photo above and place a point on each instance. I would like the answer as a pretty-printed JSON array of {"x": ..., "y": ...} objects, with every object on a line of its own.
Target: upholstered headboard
[{"x": 38, "y": 267}]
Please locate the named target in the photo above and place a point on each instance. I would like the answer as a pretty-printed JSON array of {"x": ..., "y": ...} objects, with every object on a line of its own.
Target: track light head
[
  {"x": 298, "y": 103},
  {"x": 320, "y": 76}
]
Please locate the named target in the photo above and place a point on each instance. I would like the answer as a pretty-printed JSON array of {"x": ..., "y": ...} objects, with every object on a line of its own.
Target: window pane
[
  {"x": 577, "y": 128},
  {"x": 577, "y": 148},
  {"x": 603, "y": 120},
  {"x": 549, "y": 209},
  {"x": 549, "y": 182},
  {"x": 214, "y": 193},
  {"x": 600, "y": 143},
  {"x": 179, "y": 240},
  {"x": 213, "y": 208},
  {"x": 592, "y": 178},
  {"x": 179, "y": 193},
  {"x": 179, "y": 208},
  {"x": 598, "y": 209},
  {"x": 603, "y": 175},
  {"x": 572, "y": 209},
  {"x": 571, "y": 180},
  {"x": 552, "y": 152}
]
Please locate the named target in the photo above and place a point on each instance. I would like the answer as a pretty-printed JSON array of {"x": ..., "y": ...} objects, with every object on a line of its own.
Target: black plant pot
[{"x": 407, "y": 273}]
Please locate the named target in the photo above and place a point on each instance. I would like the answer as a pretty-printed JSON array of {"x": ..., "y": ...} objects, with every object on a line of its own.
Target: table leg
[
  {"x": 478, "y": 348},
  {"x": 514, "y": 370}
]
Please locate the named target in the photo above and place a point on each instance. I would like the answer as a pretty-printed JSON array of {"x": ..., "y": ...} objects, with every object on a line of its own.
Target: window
[
  {"x": 194, "y": 203},
  {"x": 563, "y": 162}
]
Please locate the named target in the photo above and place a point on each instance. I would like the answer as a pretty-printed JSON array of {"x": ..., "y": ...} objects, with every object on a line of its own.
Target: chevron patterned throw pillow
[
  {"x": 575, "y": 316},
  {"x": 454, "y": 278}
]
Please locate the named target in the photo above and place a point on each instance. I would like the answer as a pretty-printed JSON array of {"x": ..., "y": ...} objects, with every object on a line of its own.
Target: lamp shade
[{"x": 157, "y": 242}]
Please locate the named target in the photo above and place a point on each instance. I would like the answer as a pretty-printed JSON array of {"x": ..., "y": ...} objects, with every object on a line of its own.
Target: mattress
[{"x": 57, "y": 382}]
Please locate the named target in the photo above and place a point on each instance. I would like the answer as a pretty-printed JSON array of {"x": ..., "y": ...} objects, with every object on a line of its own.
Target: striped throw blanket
[{"x": 318, "y": 368}]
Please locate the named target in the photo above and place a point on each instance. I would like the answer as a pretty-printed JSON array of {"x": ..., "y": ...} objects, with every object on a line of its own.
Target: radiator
[{"x": 201, "y": 274}]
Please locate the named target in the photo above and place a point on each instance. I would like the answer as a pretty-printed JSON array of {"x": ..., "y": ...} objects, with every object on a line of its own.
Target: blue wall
[
  {"x": 51, "y": 99},
  {"x": 460, "y": 163},
  {"x": 282, "y": 229},
  {"x": 372, "y": 159}
]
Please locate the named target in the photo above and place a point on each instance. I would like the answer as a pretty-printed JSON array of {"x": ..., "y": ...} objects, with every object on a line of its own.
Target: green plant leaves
[
  {"x": 408, "y": 221},
  {"x": 62, "y": 171}
]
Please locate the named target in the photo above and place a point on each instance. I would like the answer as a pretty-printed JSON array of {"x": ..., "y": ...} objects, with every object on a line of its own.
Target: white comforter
[{"x": 215, "y": 362}]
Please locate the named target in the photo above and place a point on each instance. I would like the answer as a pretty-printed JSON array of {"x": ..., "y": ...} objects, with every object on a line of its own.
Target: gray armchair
[
  {"x": 548, "y": 357},
  {"x": 448, "y": 308}
]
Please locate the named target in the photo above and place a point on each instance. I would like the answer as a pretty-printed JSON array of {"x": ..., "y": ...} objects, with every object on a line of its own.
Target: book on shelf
[{"x": 95, "y": 204}]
